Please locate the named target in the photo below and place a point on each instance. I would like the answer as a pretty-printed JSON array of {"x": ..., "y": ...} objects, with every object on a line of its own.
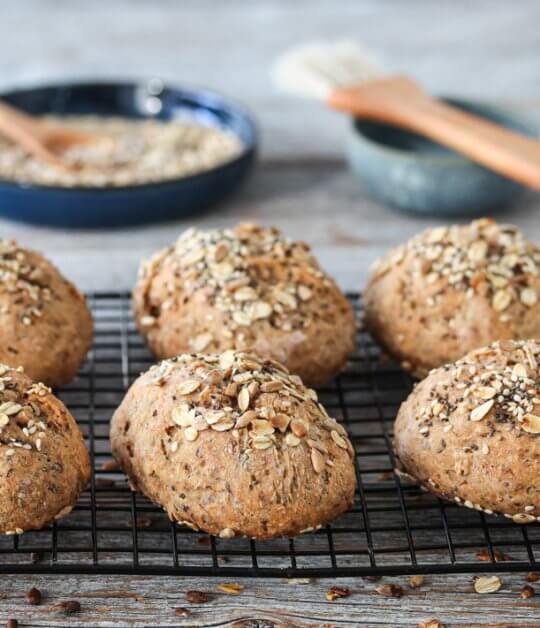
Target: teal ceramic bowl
[{"x": 407, "y": 171}]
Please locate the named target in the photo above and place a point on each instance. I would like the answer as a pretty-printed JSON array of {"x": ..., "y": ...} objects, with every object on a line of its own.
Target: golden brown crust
[
  {"x": 45, "y": 324},
  {"x": 470, "y": 432},
  {"x": 453, "y": 289},
  {"x": 250, "y": 289},
  {"x": 44, "y": 463},
  {"x": 234, "y": 445}
]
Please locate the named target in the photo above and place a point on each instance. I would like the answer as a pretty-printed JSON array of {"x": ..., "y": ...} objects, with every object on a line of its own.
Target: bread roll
[
  {"x": 246, "y": 288},
  {"x": 470, "y": 431},
  {"x": 45, "y": 324},
  {"x": 44, "y": 463},
  {"x": 453, "y": 289},
  {"x": 234, "y": 445}
]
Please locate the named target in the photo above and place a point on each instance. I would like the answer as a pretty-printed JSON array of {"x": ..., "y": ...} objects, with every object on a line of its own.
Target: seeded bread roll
[
  {"x": 44, "y": 464},
  {"x": 45, "y": 324},
  {"x": 453, "y": 289},
  {"x": 246, "y": 288},
  {"x": 234, "y": 445},
  {"x": 470, "y": 432}
]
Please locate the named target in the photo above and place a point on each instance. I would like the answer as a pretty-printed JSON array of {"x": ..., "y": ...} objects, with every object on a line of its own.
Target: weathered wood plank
[{"x": 109, "y": 601}]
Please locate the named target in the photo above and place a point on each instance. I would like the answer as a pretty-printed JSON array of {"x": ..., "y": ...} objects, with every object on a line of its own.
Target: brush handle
[{"x": 402, "y": 102}]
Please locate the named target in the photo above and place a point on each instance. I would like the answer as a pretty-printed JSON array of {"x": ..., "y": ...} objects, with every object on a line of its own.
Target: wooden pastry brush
[{"x": 347, "y": 78}]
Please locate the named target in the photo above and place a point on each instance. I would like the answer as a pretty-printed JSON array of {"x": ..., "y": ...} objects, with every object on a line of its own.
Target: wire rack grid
[{"x": 393, "y": 528}]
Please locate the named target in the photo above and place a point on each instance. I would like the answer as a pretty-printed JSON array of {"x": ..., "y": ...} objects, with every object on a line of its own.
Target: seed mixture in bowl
[{"x": 132, "y": 152}]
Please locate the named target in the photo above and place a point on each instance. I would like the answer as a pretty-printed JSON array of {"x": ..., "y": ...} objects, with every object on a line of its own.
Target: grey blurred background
[{"x": 479, "y": 48}]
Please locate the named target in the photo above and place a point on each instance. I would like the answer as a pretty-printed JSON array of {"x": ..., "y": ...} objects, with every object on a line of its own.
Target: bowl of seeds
[{"x": 170, "y": 152}]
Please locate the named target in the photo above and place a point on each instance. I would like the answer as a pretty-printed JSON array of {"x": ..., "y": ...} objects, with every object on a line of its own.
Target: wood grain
[{"x": 142, "y": 601}]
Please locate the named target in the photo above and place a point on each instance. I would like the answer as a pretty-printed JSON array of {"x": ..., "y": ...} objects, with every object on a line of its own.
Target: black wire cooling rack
[{"x": 393, "y": 528}]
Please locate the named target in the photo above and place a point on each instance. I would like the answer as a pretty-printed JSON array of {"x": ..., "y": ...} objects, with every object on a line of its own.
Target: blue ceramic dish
[
  {"x": 407, "y": 171},
  {"x": 116, "y": 206}
]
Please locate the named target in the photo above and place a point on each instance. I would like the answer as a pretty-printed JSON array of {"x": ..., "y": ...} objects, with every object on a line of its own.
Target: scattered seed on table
[
  {"x": 12, "y": 623},
  {"x": 487, "y": 584},
  {"x": 390, "y": 590},
  {"x": 416, "y": 581},
  {"x": 181, "y": 612},
  {"x": 69, "y": 607},
  {"x": 527, "y": 592},
  {"x": 33, "y": 596},
  {"x": 336, "y": 592},
  {"x": 532, "y": 576},
  {"x": 197, "y": 597},
  {"x": 231, "y": 588}
]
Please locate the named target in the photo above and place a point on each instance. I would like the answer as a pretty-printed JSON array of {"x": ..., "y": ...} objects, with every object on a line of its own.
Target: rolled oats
[
  {"x": 484, "y": 258},
  {"x": 531, "y": 423},
  {"x": 231, "y": 588},
  {"x": 292, "y": 440},
  {"x": 139, "y": 151},
  {"x": 188, "y": 386},
  {"x": 487, "y": 584}
]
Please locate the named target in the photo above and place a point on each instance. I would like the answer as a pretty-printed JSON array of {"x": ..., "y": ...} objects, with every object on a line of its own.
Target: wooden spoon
[{"x": 45, "y": 141}]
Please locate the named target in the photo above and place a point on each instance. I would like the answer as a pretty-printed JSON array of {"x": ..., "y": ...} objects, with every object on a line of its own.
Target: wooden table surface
[{"x": 486, "y": 49}]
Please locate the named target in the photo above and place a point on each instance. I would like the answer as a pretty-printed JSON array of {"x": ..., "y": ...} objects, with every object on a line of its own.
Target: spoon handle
[
  {"x": 28, "y": 133},
  {"x": 402, "y": 102}
]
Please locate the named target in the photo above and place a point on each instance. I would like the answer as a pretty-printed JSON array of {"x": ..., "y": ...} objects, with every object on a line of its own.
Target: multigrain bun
[
  {"x": 45, "y": 324},
  {"x": 453, "y": 289},
  {"x": 44, "y": 464},
  {"x": 470, "y": 432},
  {"x": 246, "y": 288},
  {"x": 234, "y": 445}
]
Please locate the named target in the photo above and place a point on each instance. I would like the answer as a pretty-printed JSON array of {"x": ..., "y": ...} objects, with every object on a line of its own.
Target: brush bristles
[{"x": 315, "y": 69}]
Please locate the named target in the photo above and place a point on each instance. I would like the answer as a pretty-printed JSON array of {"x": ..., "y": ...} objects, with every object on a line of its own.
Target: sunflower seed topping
[
  {"x": 481, "y": 411},
  {"x": 501, "y": 300},
  {"x": 317, "y": 460},
  {"x": 243, "y": 399},
  {"x": 484, "y": 258},
  {"x": 250, "y": 275},
  {"x": 191, "y": 433},
  {"x": 528, "y": 296},
  {"x": 339, "y": 440},
  {"x": 531, "y": 423},
  {"x": 257, "y": 401},
  {"x": 292, "y": 440},
  {"x": 188, "y": 386}
]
